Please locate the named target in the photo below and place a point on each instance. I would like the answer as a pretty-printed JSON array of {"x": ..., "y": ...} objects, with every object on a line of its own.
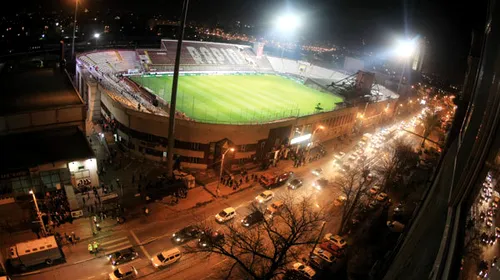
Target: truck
[
  {"x": 34, "y": 252},
  {"x": 271, "y": 180}
]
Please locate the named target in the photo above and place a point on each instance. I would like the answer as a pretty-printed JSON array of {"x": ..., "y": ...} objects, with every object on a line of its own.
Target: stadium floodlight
[
  {"x": 405, "y": 48},
  {"x": 288, "y": 22}
]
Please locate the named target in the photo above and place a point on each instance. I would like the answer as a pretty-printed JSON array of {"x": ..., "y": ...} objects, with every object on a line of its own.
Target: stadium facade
[{"x": 141, "y": 118}]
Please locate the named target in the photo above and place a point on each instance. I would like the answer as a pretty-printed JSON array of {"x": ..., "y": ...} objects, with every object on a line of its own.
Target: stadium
[{"x": 228, "y": 95}]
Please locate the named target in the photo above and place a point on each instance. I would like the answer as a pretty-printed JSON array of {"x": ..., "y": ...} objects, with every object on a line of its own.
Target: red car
[{"x": 332, "y": 248}]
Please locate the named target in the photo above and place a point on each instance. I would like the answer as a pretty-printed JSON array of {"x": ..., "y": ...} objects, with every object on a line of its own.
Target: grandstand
[{"x": 203, "y": 56}]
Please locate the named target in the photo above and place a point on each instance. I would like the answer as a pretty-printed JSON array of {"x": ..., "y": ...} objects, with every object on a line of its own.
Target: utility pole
[{"x": 173, "y": 97}]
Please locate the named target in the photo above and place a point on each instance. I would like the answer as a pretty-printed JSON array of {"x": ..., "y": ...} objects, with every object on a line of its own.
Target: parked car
[
  {"x": 123, "y": 256},
  {"x": 325, "y": 255},
  {"x": 340, "y": 155},
  {"x": 381, "y": 197},
  {"x": 340, "y": 200},
  {"x": 225, "y": 215},
  {"x": 305, "y": 270},
  {"x": 252, "y": 219},
  {"x": 374, "y": 190},
  {"x": 395, "y": 226},
  {"x": 332, "y": 248},
  {"x": 497, "y": 232},
  {"x": 484, "y": 238},
  {"x": 295, "y": 184},
  {"x": 186, "y": 234},
  {"x": 335, "y": 239},
  {"x": 123, "y": 273},
  {"x": 166, "y": 257},
  {"x": 264, "y": 197}
]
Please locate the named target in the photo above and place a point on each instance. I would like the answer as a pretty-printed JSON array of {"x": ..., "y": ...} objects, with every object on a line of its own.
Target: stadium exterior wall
[{"x": 145, "y": 134}]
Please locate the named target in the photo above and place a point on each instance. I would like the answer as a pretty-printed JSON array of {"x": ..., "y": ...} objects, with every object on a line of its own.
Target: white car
[
  {"x": 317, "y": 171},
  {"x": 166, "y": 257},
  {"x": 336, "y": 240},
  {"x": 305, "y": 270},
  {"x": 225, "y": 215},
  {"x": 325, "y": 255},
  {"x": 339, "y": 155},
  {"x": 264, "y": 197},
  {"x": 123, "y": 273}
]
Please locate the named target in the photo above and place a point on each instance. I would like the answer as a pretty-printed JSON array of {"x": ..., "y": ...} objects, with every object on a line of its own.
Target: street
[{"x": 149, "y": 235}]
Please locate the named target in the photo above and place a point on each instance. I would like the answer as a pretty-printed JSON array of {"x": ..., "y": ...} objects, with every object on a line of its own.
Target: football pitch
[{"x": 240, "y": 98}]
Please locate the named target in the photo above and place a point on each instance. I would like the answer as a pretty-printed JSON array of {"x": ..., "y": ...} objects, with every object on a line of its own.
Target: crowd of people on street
[{"x": 58, "y": 209}]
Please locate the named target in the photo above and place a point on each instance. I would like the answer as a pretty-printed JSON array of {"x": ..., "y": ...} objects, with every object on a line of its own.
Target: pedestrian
[
  {"x": 83, "y": 199},
  {"x": 90, "y": 248},
  {"x": 95, "y": 246},
  {"x": 88, "y": 194},
  {"x": 96, "y": 204},
  {"x": 241, "y": 181}
]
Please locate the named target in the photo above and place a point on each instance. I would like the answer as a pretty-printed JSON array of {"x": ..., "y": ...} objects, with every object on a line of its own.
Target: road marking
[
  {"x": 114, "y": 240},
  {"x": 118, "y": 245},
  {"x": 85, "y": 260},
  {"x": 142, "y": 247},
  {"x": 90, "y": 277}
]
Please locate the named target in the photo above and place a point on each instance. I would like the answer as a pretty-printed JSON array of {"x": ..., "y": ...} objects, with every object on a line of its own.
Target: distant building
[{"x": 42, "y": 134}]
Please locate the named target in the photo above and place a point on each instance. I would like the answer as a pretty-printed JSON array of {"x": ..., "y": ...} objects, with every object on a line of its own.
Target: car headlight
[
  {"x": 177, "y": 239},
  {"x": 173, "y": 235},
  {"x": 156, "y": 265},
  {"x": 204, "y": 244}
]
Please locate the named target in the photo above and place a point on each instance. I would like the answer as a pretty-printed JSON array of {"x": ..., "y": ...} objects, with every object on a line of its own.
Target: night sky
[{"x": 447, "y": 24}]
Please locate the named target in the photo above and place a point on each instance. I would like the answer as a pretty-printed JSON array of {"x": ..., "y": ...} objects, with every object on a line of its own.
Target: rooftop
[
  {"x": 34, "y": 90},
  {"x": 25, "y": 150}
]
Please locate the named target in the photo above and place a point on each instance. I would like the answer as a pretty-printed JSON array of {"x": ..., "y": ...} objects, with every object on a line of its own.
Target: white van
[{"x": 166, "y": 257}]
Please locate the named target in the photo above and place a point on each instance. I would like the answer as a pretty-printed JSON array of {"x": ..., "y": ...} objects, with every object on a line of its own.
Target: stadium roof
[
  {"x": 42, "y": 147},
  {"x": 34, "y": 90}
]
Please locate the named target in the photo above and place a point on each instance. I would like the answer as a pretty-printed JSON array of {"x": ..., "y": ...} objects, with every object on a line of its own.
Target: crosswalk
[{"x": 115, "y": 244}]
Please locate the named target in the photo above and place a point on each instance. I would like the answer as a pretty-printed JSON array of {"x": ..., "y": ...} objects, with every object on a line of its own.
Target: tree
[
  {"x": 353, "y": 185},
  {"x": 397, "y": 161},
  {"x": 265, "y": 251},
  {"x": 430, "y": 122}
]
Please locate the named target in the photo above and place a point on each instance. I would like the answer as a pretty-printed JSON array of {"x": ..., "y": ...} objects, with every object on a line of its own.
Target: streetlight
[
  {"x": 38, "y": 213},
  {"x": 74, "y": 31},
  {"x": 222, "y": 168},
  {"x": 96, "y": 36},
  {"x": 404, "y": 49}
]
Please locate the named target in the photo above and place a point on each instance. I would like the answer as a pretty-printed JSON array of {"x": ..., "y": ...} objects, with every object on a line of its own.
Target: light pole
[
  {"x": 222, "y": 168},
  {"x": 173, "y": 96},
  {"x": 74, "y": 32},
  {"x": 38, "y": 213},
  {"x": 404, "y": 49},
  {"x": 96, "y": 36},
  {"x": 287, "y": 24}
]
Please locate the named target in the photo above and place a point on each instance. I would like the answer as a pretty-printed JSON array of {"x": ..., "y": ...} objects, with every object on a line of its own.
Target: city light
[{"x": 97, "y": 35}]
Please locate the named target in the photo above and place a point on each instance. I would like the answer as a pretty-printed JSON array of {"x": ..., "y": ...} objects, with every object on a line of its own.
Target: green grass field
[{"x": 240, "y": 98}]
